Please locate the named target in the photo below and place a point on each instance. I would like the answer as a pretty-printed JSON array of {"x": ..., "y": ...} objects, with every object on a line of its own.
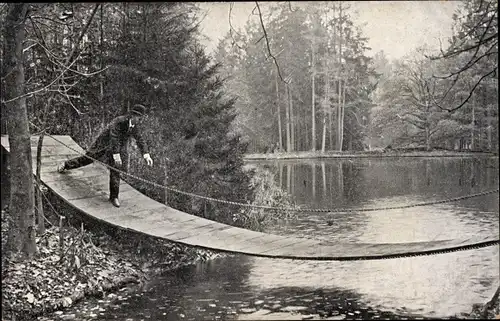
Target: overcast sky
[{"x": 396, "y": 27}]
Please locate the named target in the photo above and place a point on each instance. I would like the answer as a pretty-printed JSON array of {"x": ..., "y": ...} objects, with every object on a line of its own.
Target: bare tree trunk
[
  {"x": 39, "y": 202},
  {"x": 22, "y": 233},
  {"x": 288, "y": 178},
  {"x": 323, "y": 175},
  {"x": 472, "y": 123},
  {"x": 427, "y": 139},
  {"x": 340, "y": 129},
  {"x": 303, "y": 130},
  {"x": 330, "y": 115},
  {"x": 313, "y": 184},
  {"x": 280, "y": 166},
  {"x": 342, "y": 118},
  {"x": 101, "y": 64},
  {"x": 330, "y": 131},
  {"x": 165, "y": 182},
  {"x": 38, "y": 188},
  {"x": 127, "y": 146},
  {"x": 325, "y": 108},
  {"x": 323, "y": 139},
  {"x": 488, "y": 130},
  {"x": 339, "y": 115},
  {"x": 313, "y": 95},
  {"x": 287, "y": 115},
  {"x": 280, "y": 134},
  {"x": 292, "y": 121}
]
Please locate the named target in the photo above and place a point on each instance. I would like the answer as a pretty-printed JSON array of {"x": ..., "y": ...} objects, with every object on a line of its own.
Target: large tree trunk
[{"x": 22, "y": 231}]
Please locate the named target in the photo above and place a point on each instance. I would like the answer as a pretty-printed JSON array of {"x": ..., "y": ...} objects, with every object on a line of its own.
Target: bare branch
[
  {"x": 260, "y": 39},
  {"x": 470, "y": 63},
  {"x": 84, "y": 30},
  {"x": 84, "y": 74},
  {"x": 470, "y": 93},
  {"x": 231, "y": 27},
  {"x": 43, "y": 88},
  {"x": 79, "y": 113},
  {"x": 357, "y": 119},
  {"x": 46, "y": 18},
  {"x": 267, "y": 42},
  {"x": 465, "y": 49},
  {"x": 472, "y": 60}
]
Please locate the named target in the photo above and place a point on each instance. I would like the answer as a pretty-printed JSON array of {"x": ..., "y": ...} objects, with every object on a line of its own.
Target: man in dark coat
[{"x": 108, "y": 146}]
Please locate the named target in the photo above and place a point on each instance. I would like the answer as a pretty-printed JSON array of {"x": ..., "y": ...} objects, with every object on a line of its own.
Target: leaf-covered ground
[{"x": 91, "y": 263}]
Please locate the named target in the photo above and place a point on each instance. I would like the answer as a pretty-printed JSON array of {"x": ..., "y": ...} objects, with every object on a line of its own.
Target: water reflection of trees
[
  {"x": 350, "y": 183},
  {"x": 376, "y": 182}
]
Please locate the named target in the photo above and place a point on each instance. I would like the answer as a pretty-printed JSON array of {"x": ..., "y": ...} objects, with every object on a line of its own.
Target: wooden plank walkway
[{"x": 86, "y": 189}]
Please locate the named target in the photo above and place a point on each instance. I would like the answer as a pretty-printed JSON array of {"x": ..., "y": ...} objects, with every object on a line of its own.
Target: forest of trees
[
  {"x": 69, "y": 68},
  {"x": 329, "y": 95},
  {"x": 298, "y": 79}
]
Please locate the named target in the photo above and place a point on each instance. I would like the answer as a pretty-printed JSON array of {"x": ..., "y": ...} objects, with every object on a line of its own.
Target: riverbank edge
[
  {"x": 26, "y": 297},
  {"x": 488, "y": 310},
  {"x": 373, "y": 154}
]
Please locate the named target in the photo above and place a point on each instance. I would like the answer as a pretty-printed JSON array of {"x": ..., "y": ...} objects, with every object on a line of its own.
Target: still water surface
[{"x": 430, "y": 286}]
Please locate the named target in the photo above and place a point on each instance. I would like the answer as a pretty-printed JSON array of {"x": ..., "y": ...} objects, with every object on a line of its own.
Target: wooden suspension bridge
[{"x": 86, "y": 189}]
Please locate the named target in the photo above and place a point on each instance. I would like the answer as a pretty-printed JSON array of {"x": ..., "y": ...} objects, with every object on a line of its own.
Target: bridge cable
[
  {"x": 265, "y": 207},
  {"x": 451, "y": 249}
]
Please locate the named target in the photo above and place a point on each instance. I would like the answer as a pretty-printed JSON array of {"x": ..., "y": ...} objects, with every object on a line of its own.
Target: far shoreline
[{"x": 362, "y": 154}]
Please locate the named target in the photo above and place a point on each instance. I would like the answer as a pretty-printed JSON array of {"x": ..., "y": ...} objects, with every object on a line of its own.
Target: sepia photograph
[{"x": 249, "y": 160}]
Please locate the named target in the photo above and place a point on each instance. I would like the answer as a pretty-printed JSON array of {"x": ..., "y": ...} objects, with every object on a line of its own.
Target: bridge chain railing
[{"x": 462, "y": 247}]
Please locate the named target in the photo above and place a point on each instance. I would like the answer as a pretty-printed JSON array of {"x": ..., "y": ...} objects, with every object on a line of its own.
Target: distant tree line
[{"x": 309, "y": 85}]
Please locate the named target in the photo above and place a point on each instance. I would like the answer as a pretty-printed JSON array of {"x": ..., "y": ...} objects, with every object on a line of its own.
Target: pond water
[{"x": 441, "y": 285}]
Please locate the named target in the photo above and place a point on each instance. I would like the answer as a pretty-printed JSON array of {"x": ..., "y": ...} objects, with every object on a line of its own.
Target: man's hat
[{"x": 138, "y": 109}]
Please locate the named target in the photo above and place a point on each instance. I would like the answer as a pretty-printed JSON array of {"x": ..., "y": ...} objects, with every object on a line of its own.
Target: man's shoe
[
  {"x": 61, "y": 168},
  {"x": 115, "y": 202}
]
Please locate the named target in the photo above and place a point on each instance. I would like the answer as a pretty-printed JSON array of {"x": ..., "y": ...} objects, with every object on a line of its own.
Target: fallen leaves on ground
[{"x": 48, "y": 283}]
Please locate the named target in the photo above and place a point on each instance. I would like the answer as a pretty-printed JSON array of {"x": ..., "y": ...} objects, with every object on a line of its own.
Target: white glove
[
  {"x": 117, "y": 159},
  {"x": 148, "y": 159}
]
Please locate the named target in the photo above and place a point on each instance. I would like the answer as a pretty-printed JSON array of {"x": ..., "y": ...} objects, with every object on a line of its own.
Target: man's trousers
[{"x": 104, "y": 156}]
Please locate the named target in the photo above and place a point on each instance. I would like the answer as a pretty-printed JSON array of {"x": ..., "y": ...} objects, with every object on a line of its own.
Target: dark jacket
[{"x": 115, "y": 136}]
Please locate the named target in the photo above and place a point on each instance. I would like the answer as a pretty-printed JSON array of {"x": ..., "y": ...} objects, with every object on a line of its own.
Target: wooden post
[
  {"x": 39, "y": 202},
  {"x": 165, "y": 183},
  {"x": 61, "y": 235},
  {"x": 82, "y": 256}
]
